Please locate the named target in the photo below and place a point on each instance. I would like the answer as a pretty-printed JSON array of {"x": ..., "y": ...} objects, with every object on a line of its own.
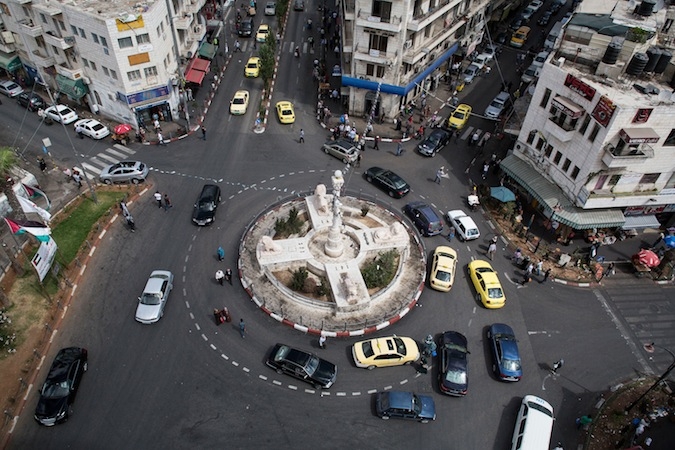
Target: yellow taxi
[
  {"x": 443, "y": 268},
  {"x": 519, "y": 37},
  {"x": 485, "y": 281},
  {"x": 239, "y": 103},
  {"x": 385, "y": 352},
  {"x": 459, "y": 117},
  {"x": 263, "y": 32},
  {"x": 252, "y": 68},
  {"x": 285, "y": 112}
]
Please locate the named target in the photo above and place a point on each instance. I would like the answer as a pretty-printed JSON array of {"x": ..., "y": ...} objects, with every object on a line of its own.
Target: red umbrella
[
  {"x": 123, "y": 128},
  {"x": 648, "y": 258}
]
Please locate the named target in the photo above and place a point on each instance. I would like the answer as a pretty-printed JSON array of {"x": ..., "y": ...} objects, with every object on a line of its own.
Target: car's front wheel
[
  {"x": 85, "y": 366},
  {"x": 107, "y": 181},
  {"x": 135, "y": 181},
  {"x": 325, "y": 150},
  {"x": 391, "y": 194},
  {"x": 371, "y": 367},
  {"x": 369, "y": 179}
]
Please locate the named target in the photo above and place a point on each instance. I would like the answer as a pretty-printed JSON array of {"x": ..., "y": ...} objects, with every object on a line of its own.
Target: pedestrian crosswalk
[
  {"x": 93, "y": 165},
  {"x": 249, "y": 46}
]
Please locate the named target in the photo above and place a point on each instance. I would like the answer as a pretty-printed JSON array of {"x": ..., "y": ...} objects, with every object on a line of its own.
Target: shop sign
[
  {"x": 150, "y": 94},
  {"x": 580, "y": 87},
  {"x": 604, "y": 111},
  {"x": 642, "y": 115}
]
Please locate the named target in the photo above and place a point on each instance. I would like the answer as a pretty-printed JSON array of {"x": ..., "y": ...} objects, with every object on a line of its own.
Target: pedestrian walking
[
  {"x": 242, "y": 327},
  {"x": 203, "y": 132},
  {"x": 547, "y": 274},
  {"x": 358, "y": 160},
  {"x": 518, "y": 256},
  {"x": 557, "y": 365},
  {"x": 451, "y": 233},
  {"x": 228, "y": 276},
  {"x": 583, "y": 421},
  {"x": 42, "y": 164},
  {"x": 376, "y": 143},
  {"x": 221, "y": 253},
  {"x": 529, "y": 269},
  {"x": 492, "y": 249},
  {"x": 189, "y": 94},
  {"x": 160, "y": 139},
  {"x": 540, "y": 265},
  {"x": 440, "y": 173},
  {"x": 220, "y": 277},
  {"x": 123, "y": 207},
  {"x": 610, "y": 270},
  {"x": 80, "y": 131},
  {"x": 474, "y": 139},
  {"x": 399, "y": 149},
  {"x": 322, "y": 341},
  {"x": 158, "y": 199},
  {"x": 167, "y": 202},
  {"x": 302, "y": 136},
  {"x": 157, "y": 125},
  {"x": 526, "y": 279},
  {"x": 486, "y": 168},
  {"x": 237, "y": 46}
]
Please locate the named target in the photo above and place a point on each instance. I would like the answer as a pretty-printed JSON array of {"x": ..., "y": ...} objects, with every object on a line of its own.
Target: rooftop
[{"x": 126, "y": 10}]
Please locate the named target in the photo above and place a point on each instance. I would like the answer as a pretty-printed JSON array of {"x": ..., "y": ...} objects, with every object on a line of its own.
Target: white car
[
  {"x": 481, "y": 60},
  {"x": 270, "y": 8},
  {"x": 490, "y": 51},
  {"x": 465, "y": 227},
  {"x": 531, "y": 73},
  {"x": 92, "y": 128},
  {"x": 151, "y": 304},
  {"x": 69, "y": 116},
  {"x": 535, "y": 5},
  {"x": 10, "y": 88}
]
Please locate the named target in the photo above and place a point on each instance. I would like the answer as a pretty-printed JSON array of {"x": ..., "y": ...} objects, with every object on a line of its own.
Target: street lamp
[{"x": 649, "y": 348}]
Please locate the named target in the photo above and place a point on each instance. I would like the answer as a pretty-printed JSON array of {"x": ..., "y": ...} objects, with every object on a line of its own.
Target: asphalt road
[{"x": 185, "y": 383}]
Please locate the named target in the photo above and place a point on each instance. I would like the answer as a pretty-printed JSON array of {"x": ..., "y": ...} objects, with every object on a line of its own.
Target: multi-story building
[
  {"x": 123, "y": 59},
  {"x": 392, "y": 50},
  {"x": 596, "y": 145}
]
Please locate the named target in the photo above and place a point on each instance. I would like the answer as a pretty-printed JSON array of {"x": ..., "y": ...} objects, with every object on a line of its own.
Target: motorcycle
[
  {"x": 473, "y": 202},
  {"x": 296, "y": 52}
]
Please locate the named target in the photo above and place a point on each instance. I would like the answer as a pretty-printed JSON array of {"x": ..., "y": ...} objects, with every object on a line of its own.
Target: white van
[
  {"x": 534, "y": 425},
  {"x": 553, "y": 35}
]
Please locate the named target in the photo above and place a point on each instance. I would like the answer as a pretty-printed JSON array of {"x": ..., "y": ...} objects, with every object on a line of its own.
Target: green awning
[
  {"x": 207, "y": 50},
  {"x": 556, "y": 204},
  {"x": 72, "y": 88},
  {"x": 9, "y": 62}
]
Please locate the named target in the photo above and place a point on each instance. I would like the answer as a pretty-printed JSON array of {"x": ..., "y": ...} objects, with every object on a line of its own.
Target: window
[
  {"x": 55, "y": 50},
  {"x": 105, "y": 71},
  {"x": 82, "y": 33},
  {"x": 143, "y": 38},
  {"x": 557, "y": 158},
  {"x": 113, "y": 74},
  {"x": 566, "y": 165},
  {"x": 561, "y": 119},
  {"x": 613, "y": 180},
  {"x": 531, "y": 136},
  {"x": 670, "y": 140},
  {"x": 649, "y": 178},
  {"x": 159, "y": 33},
  {"x": 104, "y": 41},
  {"x": 94, "y": 37},
  {"x": 544, "y": 99},
  {"x": 134, "y": 75},
  {"x": 43, "y": 18},
  {"x": 93, "y": 65},
  {"x": 150, "y": 71},
  {"x": 584, "y": 124},
  {"x": 594, "y": 132},
  {"x": 549, "y": 150},
  {"x": 62, "y": 25},
  {"x": 73, "y": 29},
  {"x": 382, "y": 10},
  {"x": 540, "y": 143},
  {"x": 125, "y": 42},
  {"x": 378, "y": 43},
  {"x": 575, "y": 173},
  {"x": 371, "y": 70},
  {"x": 85, "y": 62}
]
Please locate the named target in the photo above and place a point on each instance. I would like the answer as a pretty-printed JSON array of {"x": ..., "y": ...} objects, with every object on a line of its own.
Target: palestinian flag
[
  {"x": 34, "y": 191},
  {"x": 37, "y": 229}
]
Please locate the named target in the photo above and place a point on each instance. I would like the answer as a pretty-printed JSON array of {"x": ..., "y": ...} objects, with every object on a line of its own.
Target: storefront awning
[
  {"x": 72, "y": 88},
  {"x": 557, "y": 206},
  {"x": 634, "y": 136},
  {"x": 207, "y": 50},
  {"x": 9, "y": 62},
  {"x": 567, "y": 106},
  {"x": 641, "y": 222},
  {"x": 197, "y": 70}
]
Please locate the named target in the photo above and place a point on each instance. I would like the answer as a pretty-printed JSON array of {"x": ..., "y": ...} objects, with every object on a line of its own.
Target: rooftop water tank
[
  {"x": 612, "y": 52},
  {"x": 646, "y": 8},
  {"x": 653, "y": 53},
  {"x": 664, "y": 60},
  {"x": 637, "y": 64}
]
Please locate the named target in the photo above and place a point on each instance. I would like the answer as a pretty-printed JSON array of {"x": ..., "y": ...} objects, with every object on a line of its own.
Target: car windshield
[
  {"x": 55, "y": 390},
  {"x": 396, "y": 181},
  {"x": 456, "y": 376},
  {"x": 65, "y": 111},
  {"x": 97, "y": 127},
  {"x": 484, "y": 270},
  {"x": 151, "y": 299},
  {"x": 472, "y": 232},
  {"x": 312, "y": 365},
  {"x": 400, "y": 346},
  {"x": 495, "y": 293},
  {"x": 459, "y": 115},
  {"x": 442, "y": 275},
  {"x": 496, "y": 104},
  {"x": 238, "y": 101},
  {"x": 434, "y": 139},
  {"x": 252, "y": 65},
  {"x": 512, "y": 365},
  {"x": 207, "y": 205},
  {"x": 367, "y": 349}
]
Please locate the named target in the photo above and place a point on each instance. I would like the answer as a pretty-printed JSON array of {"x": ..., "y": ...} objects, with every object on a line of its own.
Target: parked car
[
  {"x": 252, "y": 68},
  {"x": 32, "y": 101},
  {"x": 434, "y": 143},
  {"x": 10, "y": 88},
  {"x": 388, "y": 181},
  {"x": 443, "y": 268},
  {"x": 123, "y": 171},
  {"x": 263, "y": 32},
  {"x": 57, "y": 112},
  {"x": 540, "y": 59},
  {"x": 385, "y": 352},
  {"x": 285, "y": 112},
  {"x": 545, "y": 18},
  {"x": 465, "y": 227},
  {"x": 405, "y": 405},
  {"x": 481, "y": 60},
  {"x": 342, "y": 150},
  {"x": 505, "y": 355},
  {"x": 453, "y": 370},
  {"x": 517, "y": 22},
  {"x": 92, "y": 128},
  {"x": 60, "y": 388},
  {"x": 459, "y": 117},
  {"x": 424, "y": 218},
  {"x": 302, "y": 365},
  {"x": 299, "y": 5},
  {"x": 155, "y": 294},
  {"x": 245, "y": 28},
  {"x": 527, "y": 14},
  {"x": 204, "y": 212},
  {"x": 488, "y": 288},
  {"x": 239, "y": 103},
  {"x": 535, "y": 5},
  {"x": 470, "y": 73},
  {"x": 497, "y": 106},
  {"x": 490, "y": 52},
  {"x": 519, "y": 37},
  {"x": 530, "y": 73},
  {"x": 270, "y": 8}
]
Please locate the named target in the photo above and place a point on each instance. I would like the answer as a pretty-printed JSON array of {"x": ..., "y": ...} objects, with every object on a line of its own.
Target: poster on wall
[
  {"x": 642, "y": 115},
  {"x": 604, "y": 111}
]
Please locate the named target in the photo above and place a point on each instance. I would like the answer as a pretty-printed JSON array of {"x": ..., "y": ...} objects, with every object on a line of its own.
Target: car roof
[
  {"x": 479, "y": 263},
  {"x": 210, "y": 190},
  {"x": 503, "y": 96},
  {"x": 62, "y": 362},
  {"x": 154, "y": 285}
]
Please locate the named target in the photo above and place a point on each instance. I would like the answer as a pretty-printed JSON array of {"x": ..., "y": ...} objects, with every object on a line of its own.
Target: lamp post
[{"x": 649, "y": 348}]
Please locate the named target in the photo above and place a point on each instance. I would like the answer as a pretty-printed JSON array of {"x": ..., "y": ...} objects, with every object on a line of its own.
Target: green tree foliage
[
  {"x": 299, "y": 279},
  {"x": 267, "y": 58},
  {"x": 379, "y": 272}
]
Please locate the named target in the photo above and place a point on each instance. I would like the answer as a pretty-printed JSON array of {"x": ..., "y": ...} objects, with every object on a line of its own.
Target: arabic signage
[
  {"x": 579, "y": 87},
  {"x": 642, "y": 115},
  {"x": 638, "y": 136},
  {"x": 150, "y": 94},
  {"x": 604, "y": 111}
]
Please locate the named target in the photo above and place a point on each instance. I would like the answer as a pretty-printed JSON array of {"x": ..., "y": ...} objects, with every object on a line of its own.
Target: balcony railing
[
  {"x": 30, "y": 28},
  {"x": 57, "y": 41},
  {"x": 561, "y": 130},
  {"x": 615, "y": 157}
]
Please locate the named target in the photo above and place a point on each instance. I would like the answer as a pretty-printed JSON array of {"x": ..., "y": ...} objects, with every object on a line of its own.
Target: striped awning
[{"x": 556, "y": 204}]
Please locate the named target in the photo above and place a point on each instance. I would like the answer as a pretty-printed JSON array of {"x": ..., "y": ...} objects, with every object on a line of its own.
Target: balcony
[
  {"x": 391, "y": 24},
  {"x": 421, "y": 19},
  {"x": 41, "y": 58},
  {"x": 28, "y": 27},
  {"x": 59, "y": 42},
  {"x": 196, "y": 33},
  {"x": 559, "y": 129},
  {"x": 73, "y": 74},
  {"x": 183, "y": 23},
  {"x": 626, "y": 156},
  {"x": 194, "y": 6},
  {"x": 7, "y": 47}
]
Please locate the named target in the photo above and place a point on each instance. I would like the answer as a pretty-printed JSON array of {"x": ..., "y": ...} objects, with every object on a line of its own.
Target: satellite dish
[{"x": 664, "y": 96}]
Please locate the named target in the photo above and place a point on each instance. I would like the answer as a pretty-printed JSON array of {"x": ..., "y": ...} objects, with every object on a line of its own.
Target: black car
[
  {"x": 204, "y": 212},
  {"x": 299, "y": 5},
  {"x": 31, "y": 101},
  {"x": 303, "y": 366},
  {"x": 434, "y": 142},
  {"x": 388, "y": 181},
  {"x": 58, "y": 391},
  {"x": 545, "y": 19},
  {"x": 405, "y": 405},
  {"x": 424, "y": 218},
  {"x": 453, "y": 371},
  {"x": 245, "y": 28}
]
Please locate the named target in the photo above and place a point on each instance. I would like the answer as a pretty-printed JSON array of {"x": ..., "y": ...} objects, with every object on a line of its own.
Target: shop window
[
  {"x": 557, "y": 158},
  {"x": 670, "y": 140},
  {"x": 566, "y": 165},
  {"x": 545, "y": 98},
  {"x": 649, "y": 178},
  {"x": 575, "y": 173},
  {"x": 125, "y": 42},
  {"x": 594, "y": 132},
  {"x": 584, "y": 124},
  {"x": 549, "y": 151}
]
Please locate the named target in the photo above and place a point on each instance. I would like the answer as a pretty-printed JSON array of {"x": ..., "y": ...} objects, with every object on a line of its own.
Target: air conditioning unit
[
  {"x": 86, "y": 80},
  {"x": 407, "y": 44}
]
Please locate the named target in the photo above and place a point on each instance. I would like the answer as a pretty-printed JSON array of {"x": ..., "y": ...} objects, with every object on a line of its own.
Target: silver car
[
  {"x": 470, "y": 73},
  {"x": 10, "y": 88},
  {"x": 151, "y": 304},
  {"x": 342, "y": 150},
  {"x": 123, "y": 171},
  {"x": 496, "y": 107},
  {"x": 270, "y": 8}
]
